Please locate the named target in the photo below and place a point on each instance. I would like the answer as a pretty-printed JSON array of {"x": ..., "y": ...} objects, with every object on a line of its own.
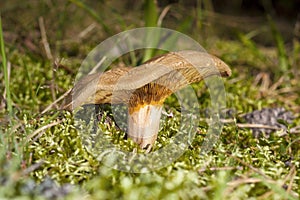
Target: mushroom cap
[{"x": 172, "y": 71}]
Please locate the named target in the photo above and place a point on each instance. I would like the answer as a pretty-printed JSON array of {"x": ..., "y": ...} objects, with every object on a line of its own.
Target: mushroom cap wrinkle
[{"x": 173, "y": 70}]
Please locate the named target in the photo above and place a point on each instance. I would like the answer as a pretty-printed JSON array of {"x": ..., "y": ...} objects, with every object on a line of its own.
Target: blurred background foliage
[{"x": 89, "y": 22}]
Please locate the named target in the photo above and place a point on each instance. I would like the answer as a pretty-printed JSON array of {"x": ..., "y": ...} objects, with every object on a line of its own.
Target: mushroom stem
[{"x": 143, "y": 125}]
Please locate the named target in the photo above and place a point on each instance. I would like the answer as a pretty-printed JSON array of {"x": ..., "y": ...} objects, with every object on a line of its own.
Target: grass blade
[
  {"x": 5, "y": 71},
  {"x": 283, "y": 59},
  {"x": 92, "y": 13},
  {"x": 151, "y": 17}
]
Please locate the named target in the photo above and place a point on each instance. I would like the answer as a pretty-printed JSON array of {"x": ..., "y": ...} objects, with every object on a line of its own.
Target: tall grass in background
[
  {"x": 284, "y": 65},
  {"x": 10, "y": 148},
  {"x": 151, "y": 17},
  {"x": 92, "y": 13},
  {"x": 150, "y": 20},
  {"x": 5, "y": 72}
]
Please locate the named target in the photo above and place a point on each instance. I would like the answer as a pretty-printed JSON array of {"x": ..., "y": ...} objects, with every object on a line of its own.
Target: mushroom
[{"x": 145, "y": 88}]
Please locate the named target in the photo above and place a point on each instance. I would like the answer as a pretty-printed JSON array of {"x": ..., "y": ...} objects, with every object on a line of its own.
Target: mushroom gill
[{"x": 145, "y": 88}]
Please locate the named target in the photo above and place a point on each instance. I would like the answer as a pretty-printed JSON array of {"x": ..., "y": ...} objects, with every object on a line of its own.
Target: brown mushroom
[{"x": 145, "y": 88}]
